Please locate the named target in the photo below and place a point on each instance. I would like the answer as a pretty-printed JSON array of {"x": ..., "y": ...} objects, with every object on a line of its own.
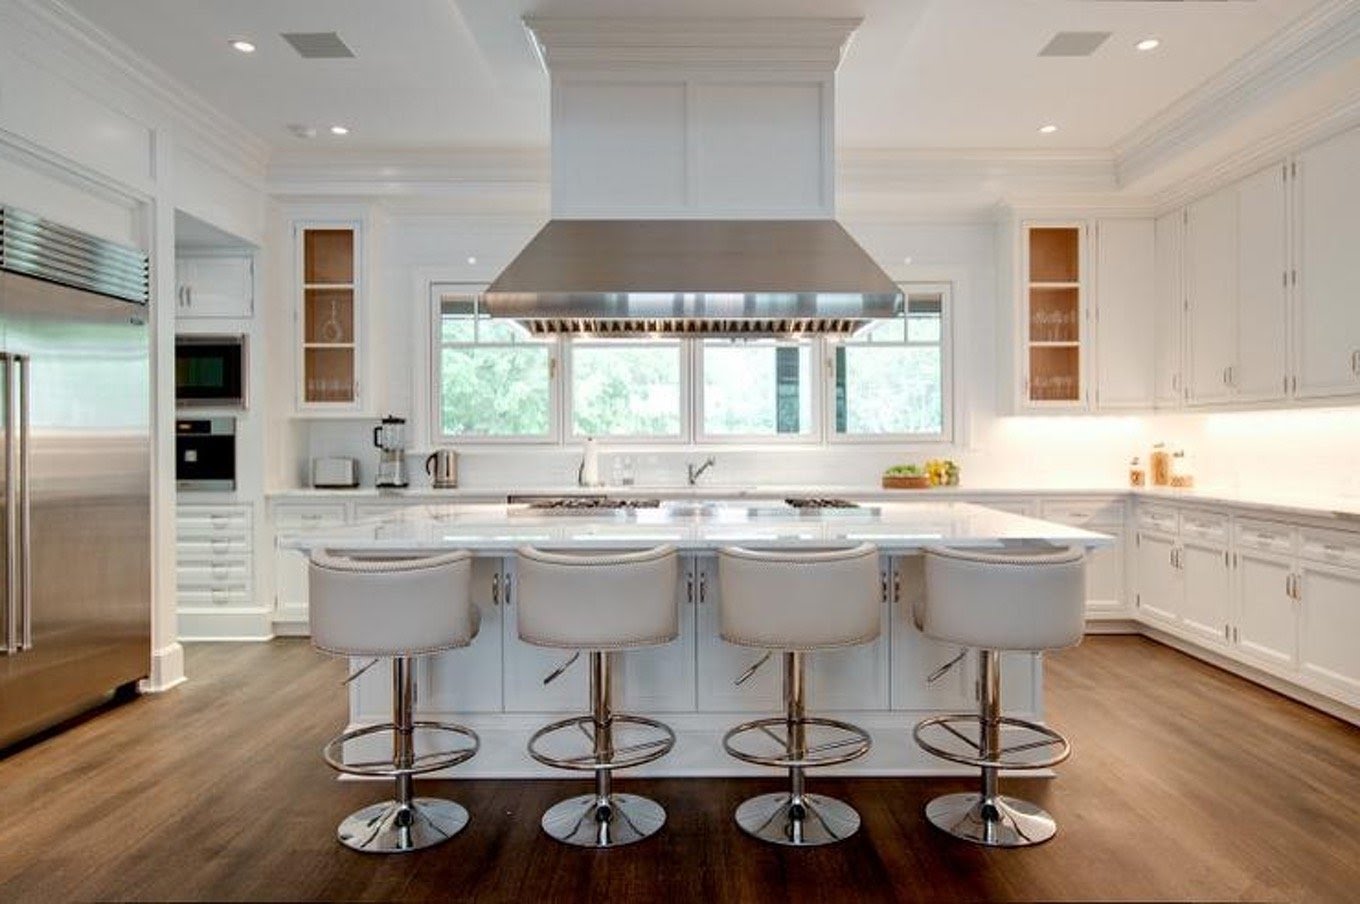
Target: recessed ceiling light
[
  {"x": 243, "y": 46},
  {"x": 1149, "y": 44},
  {"x": 339, "y": 130},
  {"x": 1048, "y": 129},
  {"x": 907, "y": 259},
  {"x": 471, "y": 259}
]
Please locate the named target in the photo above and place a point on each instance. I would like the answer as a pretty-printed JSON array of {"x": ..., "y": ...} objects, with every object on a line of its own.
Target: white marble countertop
[{"x": 496, "y": 529}]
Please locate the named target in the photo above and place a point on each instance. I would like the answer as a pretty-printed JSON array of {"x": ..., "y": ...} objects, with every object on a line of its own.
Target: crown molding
[
  {"x": 1317, "y": 40},
  {"x": 631, "y": 44},
  {"x": 210, "y": 132},
  {"x": 1268, "y": 151},
  {"x": 998, "y": 172}
]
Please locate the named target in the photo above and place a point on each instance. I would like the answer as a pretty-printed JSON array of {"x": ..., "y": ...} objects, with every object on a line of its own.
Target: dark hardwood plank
[{"x": 1186, "y": 783}]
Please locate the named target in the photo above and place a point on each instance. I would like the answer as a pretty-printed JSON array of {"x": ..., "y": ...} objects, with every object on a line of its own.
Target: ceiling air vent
[
  {"x": 318, "y": 45},
  {"x": 1074, "y": 43}
]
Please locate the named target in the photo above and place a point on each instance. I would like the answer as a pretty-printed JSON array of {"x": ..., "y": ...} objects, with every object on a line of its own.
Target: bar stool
[
  {"x": 396, "y": 609},
  {"x": 598, "y": 604},
  {"x": 797, "y": 603},
  {"x": 1018, "y": 600}
]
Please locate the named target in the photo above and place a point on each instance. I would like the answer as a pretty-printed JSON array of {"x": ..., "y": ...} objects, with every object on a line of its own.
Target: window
[
  {"x": 756, "y": 388},
  {"x": 626, "y": 389},
  {"x": 493, "y": 378},
  {"x": 891, "y": 375}
]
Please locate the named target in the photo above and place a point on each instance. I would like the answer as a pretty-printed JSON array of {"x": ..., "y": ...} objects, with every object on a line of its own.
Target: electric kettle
[{"x": 442, "y": 466}]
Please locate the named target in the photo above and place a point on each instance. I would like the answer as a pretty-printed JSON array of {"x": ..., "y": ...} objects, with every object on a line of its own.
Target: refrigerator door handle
[
  {"x": 25, "y": 547},
  {"x": 11, "y": 607}
]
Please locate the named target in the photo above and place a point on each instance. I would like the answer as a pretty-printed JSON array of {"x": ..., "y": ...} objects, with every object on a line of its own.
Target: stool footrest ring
[
  {"x": 853, "y": 743},
  {"x": 1047, "y": 738},
  {"x": 333, "y": 752},
  {"x": 619, "y": 757}
]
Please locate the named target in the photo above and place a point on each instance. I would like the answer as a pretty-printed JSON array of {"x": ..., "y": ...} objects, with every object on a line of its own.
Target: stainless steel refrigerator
[{"x": 75, "y": 472}]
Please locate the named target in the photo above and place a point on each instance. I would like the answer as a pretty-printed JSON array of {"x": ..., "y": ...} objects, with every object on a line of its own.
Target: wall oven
[
  {"x": 205, "y": 454},
  {"x": 210, "y": 371}
]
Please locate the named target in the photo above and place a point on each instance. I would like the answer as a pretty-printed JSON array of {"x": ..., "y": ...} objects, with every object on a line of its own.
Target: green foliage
[
  {"x": 495, "y": 391},
  {"x": 626, "y": 390}
]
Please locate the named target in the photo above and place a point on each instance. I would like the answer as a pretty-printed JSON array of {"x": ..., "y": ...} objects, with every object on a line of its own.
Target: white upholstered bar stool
[
  {"x": 396, "y": 609},
  {"x": 798, "y": 602},
  {"x": 1017, "y": 600},
  {"x": 599, "y": 603}
]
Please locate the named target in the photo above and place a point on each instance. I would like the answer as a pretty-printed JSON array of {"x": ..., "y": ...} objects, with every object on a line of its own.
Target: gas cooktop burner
[
  {"x": 820, "y": 502},
  {"x": 592, "y": 503}
]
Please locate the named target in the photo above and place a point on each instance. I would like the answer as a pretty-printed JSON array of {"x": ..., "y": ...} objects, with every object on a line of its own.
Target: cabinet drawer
[
  {"x": 1080, "y": 512},
  {"x": 212, "y": 521},
  {"x": 212, "y": 549},
  {"x": 1335, "y": 547},
  {"x": 1204, "y": 526},
  {"x": 1158, "y": 518},
  {"x": 212, "y": 598},
  {"x": 371, "y": 512},
  {"x": 308, "y": 517},
  {"x": 1266, "y": 536}
]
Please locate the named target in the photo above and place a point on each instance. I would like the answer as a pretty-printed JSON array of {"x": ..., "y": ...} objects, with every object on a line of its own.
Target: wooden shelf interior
[
  {"x": 328, "y": 257},
  {"x": 328, "y": 316},
  {"x": 1054, "y": 254},
  {"x": 1054, "y": 315},
  {"x": 328, "y": 374},
  {"x": 1054, "y": 374}
]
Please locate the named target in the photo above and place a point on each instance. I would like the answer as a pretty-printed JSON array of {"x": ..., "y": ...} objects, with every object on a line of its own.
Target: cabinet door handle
[
  {"x": 703, "y": 587},
  {"x": 505, "y": 591},
  {"x": 689, "y": 588},
  {"x": 496, "y": 589}
]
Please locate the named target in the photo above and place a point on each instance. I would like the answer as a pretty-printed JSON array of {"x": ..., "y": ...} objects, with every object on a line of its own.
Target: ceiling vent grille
[
  {"x": 318, "y": 45},
  {"x": 1074, "y": 43}
]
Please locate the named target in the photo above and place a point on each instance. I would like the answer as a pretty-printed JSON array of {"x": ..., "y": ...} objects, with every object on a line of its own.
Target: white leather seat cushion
[
  {"x": 782, "y": 600},
  {"x": 1027, "y": 599},
  {"x": 392, "y": 607},
  {"x": 595, "y": 601}
]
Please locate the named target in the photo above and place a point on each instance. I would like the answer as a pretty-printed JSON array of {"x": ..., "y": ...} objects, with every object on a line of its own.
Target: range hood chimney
[{"x": 693, "y": 185}]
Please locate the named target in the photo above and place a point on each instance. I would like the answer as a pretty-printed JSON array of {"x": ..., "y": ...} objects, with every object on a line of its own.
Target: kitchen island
[{"x": 496, "y": 686}]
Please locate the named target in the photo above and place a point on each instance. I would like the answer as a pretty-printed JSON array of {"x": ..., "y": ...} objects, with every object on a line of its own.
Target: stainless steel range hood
[{"x": 692, "y": 277}]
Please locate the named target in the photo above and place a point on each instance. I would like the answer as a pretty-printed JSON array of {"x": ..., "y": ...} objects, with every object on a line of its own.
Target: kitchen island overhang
[{"x": 496, "y": 685}]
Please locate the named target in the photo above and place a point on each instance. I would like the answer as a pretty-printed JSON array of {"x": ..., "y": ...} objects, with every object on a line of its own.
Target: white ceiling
[{"x": 918, "y": 74}]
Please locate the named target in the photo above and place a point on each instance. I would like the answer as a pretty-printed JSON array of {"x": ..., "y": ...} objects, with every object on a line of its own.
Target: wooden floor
[{"x": 1185, "y": 783}]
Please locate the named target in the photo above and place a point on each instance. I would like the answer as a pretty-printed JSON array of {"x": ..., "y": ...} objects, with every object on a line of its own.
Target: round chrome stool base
[
  {"x": 819, "y": 820},
  {"x": 1003, "y": 822},
  {"x": 627, "y": 818},
  {"x": 389, "y": 828}
]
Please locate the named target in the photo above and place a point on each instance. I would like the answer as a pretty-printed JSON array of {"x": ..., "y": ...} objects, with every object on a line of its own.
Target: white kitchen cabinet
[
  {"x": 1260, "y": 368},
  {"x": 524, "y": 666},
  {"x": 1205, "y": 590},
  {"x": 1105, "y": 596},
  {"x": 1160, "y": 593},
  {"x": 217, "y": 286},
  {"x": 1054, "y": 335},
  {"x": 1329, "y": 629},
  {"x": 213, "y": 571},
  {"x": 661, "y": 679},
  {"x": 1211, "y": 289},
  {"x": 329, "y": 316},
  {"x": 1168, "y": 312},
  {"x": 1327, "y": 290},
  {"x": 720, "y": 663},
  {"x": 1266, "y": 617},
  {"x": 915, "y": 657},
  {"x": 290, "y": 565},
  {"x": 1125, "y": 293}
]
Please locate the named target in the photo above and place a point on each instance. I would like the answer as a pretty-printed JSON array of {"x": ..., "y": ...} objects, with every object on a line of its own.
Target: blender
[{"x": 390, "y": 437}]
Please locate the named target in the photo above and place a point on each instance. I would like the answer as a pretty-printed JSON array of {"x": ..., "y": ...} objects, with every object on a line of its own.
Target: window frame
[
  {"x": 569, "y": 433},
  {"x": 439, "y": 288},
  {"x": 946, "y": 345},
  {"x": 816, "y": 401}
]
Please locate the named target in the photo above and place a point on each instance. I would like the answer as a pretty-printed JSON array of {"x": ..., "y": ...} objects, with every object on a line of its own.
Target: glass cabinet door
[
  {"x": 328, "y": 316},
  {"x": 1053, "y": 306}
]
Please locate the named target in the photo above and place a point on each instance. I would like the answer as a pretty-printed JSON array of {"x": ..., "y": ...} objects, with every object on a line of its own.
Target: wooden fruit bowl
[{"x": 906, "y": 482}]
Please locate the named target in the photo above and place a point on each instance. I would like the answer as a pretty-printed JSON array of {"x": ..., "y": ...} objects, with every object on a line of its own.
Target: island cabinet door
[
  {"x": 660, "y": 679},
  {"x": 915, "y": 657},
  {"x": 721, "y": 663},
  {"x": 524, "y": 666},
  {"x": 468, "y": 680},
  {"x": 854, "y": 678}
]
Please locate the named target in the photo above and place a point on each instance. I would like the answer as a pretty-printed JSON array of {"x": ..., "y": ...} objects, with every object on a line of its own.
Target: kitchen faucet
[{"x": 695, "y": 472}]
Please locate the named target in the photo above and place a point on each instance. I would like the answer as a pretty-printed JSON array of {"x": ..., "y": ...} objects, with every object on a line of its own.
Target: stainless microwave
[{"x": 210, "y": 371}]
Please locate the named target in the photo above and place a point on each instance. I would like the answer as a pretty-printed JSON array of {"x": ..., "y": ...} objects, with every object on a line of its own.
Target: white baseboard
[
  {"x": 167, "y": 670},
  {"x": 233, "y": 624}
]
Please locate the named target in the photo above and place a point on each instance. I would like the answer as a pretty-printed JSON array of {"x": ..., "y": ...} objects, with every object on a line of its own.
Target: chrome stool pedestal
[
  {"x": 795, "y": 817},
  {"x": 986, "y": 816},
  {"x": 603, "y": 818},
  {"x": 405, "y": 823}
]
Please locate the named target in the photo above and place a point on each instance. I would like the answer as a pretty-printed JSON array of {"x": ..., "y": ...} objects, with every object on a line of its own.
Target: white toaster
[{"x": 335, "y": 473}]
